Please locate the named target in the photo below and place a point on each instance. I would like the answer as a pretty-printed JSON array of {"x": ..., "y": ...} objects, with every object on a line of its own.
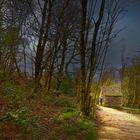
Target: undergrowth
[{"x": 41, "y": 115}]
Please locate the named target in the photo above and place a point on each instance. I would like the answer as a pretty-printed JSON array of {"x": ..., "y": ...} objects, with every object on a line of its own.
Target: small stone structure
[
  {"x": 113, "y": 100},
  {"x": 112, "y": 96}
]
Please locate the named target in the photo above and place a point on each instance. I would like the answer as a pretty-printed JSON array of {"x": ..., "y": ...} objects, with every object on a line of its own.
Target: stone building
[{"x": 112, "y": 96}]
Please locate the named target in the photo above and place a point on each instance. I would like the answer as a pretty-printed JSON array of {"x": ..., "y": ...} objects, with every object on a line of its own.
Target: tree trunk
[
  {"x": 83, "y": 107},
  {"x": 41, "y": 44}
]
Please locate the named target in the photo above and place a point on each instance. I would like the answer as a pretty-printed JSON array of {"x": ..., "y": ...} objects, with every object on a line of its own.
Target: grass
[
  {"x": 75, "y": 124},
  {"x": 131, "y": 110},
  {"x": 25, "y": 115}
]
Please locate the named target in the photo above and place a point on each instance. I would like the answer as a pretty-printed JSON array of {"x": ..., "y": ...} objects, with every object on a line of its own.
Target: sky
[{"x": 129, "y": 37}]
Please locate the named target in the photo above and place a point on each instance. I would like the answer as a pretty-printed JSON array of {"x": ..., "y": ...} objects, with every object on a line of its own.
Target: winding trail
[{"x": 117, "y": 125}]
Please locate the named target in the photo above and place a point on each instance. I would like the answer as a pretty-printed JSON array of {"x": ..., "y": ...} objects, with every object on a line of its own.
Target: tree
[
  {"x": 103, "y": 24},
  {"x": 130, "y": 83},
  {"x": 43, "y": 36}
]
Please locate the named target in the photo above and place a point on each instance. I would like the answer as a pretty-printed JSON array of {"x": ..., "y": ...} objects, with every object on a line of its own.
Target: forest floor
[
  {"x": 114, "y": 124},
  {"x": 25, "y": 115}
]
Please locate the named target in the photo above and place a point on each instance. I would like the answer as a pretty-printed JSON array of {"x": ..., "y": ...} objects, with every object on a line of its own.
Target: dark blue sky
[{"x": 130, "y": 36}]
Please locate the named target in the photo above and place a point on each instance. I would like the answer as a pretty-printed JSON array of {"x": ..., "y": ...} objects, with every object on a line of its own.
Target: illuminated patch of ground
[{"x": 117, "y": 125}]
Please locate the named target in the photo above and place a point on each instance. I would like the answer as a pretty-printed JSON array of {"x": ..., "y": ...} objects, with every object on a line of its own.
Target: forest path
[{"x": 117, "y": 125}]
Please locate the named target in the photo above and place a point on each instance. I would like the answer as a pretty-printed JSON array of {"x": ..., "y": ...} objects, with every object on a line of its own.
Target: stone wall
[{"x": 113, "y": 101}]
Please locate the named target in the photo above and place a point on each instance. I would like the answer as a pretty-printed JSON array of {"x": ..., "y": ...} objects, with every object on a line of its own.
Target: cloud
[{"x": 130, "y": 37}]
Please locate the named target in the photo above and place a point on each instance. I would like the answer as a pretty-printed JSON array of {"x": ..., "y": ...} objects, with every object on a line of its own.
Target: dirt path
[{"x": 117, "y": 125}]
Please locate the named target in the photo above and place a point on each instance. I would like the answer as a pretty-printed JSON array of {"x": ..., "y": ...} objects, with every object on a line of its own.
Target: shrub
[
  {"x": 22, "y": 118},
  {"x": 68, "y": 87},
  {"x": 72, "y": 124},
  {"x": 61, "y": 101},
  {"x": 69, "y": 115}
]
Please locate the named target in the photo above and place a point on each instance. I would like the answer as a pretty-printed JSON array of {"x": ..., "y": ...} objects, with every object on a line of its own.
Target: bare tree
[{"x": 103, "y": 24}]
